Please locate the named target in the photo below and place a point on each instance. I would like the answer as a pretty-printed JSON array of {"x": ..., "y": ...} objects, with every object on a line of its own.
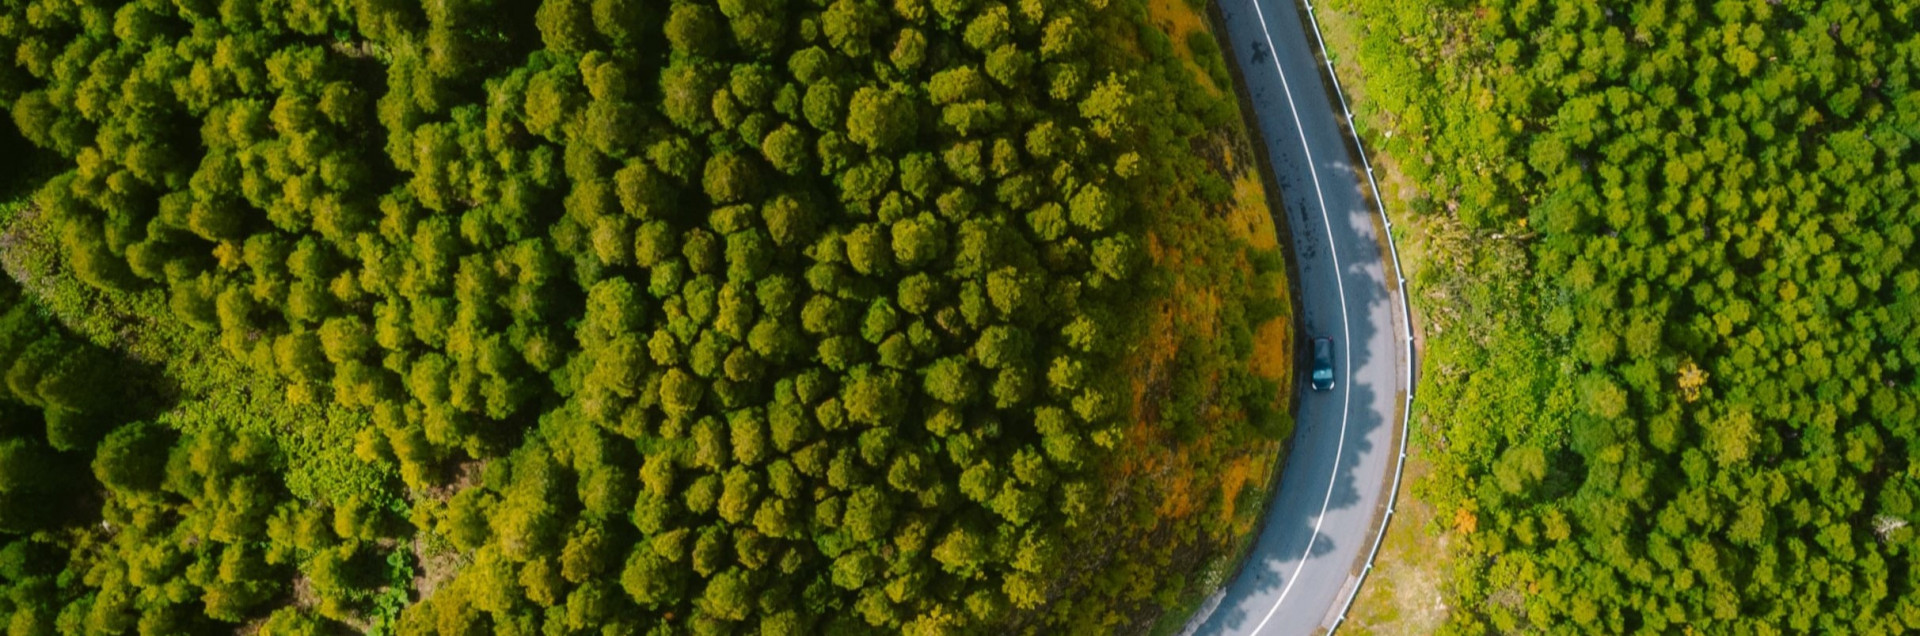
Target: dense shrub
[{"x": 1672, "y": 290}]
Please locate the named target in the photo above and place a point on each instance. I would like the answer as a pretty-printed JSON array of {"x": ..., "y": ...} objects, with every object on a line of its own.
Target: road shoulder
[{"x": 1404, "y": 592}]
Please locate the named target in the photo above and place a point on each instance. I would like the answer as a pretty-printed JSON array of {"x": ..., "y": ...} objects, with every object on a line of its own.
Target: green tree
[
  {"x": 850, "y": 25},
  {"x": 566, "y": 26},
  {"x": 788, "y": 149},
  {"x": 132, "y": 460},
  {"x": 695, "y": 29},
  {"x": 881, "y": 120},
  {"x": 731, "y": 178}
]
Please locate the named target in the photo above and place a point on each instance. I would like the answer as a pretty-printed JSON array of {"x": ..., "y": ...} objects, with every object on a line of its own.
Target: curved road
[{"x": 1333, "y": 492}]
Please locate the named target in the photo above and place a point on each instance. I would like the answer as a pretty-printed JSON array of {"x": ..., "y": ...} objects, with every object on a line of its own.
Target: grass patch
[{"x": 1404, "y": 593}]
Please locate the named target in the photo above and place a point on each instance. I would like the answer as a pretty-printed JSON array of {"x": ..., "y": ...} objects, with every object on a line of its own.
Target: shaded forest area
[
  {"x": 1670, "y": 292},
  {"x": 513, "y": 317}
]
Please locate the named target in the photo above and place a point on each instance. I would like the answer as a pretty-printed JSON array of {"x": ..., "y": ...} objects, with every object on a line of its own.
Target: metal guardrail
[{"x": 1406, "y": 316}]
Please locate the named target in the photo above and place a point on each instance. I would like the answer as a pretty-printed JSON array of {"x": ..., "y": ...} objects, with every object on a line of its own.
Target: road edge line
[
  {"x": 1346, "y": 320},
  {"x": 1406, "y": 313}
]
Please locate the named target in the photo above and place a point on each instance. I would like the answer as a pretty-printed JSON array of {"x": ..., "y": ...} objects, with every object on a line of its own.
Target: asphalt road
[{"x": 1322, "y": 520}]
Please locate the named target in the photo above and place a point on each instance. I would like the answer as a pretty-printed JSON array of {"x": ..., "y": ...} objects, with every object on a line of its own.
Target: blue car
[{"x": 1322, "y": 364}]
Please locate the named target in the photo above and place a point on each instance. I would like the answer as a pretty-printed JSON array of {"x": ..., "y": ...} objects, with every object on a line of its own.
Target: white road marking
[{"x": 1347, "y": 341}]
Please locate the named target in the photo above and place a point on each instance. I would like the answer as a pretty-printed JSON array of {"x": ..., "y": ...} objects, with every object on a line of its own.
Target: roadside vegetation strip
[{"x": 1252, "y": 219}]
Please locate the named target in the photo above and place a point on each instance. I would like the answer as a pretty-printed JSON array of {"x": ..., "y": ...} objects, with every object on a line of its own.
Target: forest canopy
[
  {"x": 1671, "y": 291},
  {"x": 503, "y": 316}
]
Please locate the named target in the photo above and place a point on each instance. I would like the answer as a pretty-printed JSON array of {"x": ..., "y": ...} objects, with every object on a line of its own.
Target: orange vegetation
[
  {"x": 1234, "y": 478},
  {"x": 1177, "y": 19},
  {"x": 1250, "y": 218},
  {"x": 1252, "y": 221}
]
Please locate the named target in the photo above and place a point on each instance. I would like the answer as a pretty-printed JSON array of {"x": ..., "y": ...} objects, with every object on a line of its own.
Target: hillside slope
[{"x": 714, "y": 317}]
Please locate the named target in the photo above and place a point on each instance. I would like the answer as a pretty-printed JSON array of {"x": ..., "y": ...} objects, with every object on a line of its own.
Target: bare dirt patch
[
  {"x": 463, "y": 476},
  {"x": 438, "y": 565},
  {"x": 1405, "y": 594}
]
